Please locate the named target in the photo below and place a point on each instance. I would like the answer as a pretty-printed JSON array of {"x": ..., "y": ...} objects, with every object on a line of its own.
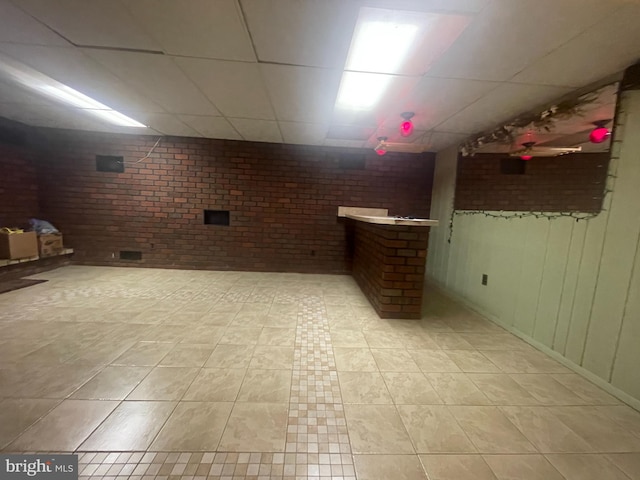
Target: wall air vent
[
  {"x": 130, "y": 255},
  {"x": 109, "y": 163},
  {"x": 216, "y": 217}
]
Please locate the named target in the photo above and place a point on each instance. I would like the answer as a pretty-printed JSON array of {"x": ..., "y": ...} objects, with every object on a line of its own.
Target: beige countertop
[{"x": 412, "y": 222}]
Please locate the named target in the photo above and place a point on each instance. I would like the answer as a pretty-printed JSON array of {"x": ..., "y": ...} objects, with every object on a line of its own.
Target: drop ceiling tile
[
  {"x": 334, "y": 142},
  {"x": 159, "y": 78},
  {"x": 104, "y": 23},
  {"x": 166, "y": 124},
  {"x": 302, "y": 94},
  {"x": 349, "y": 132},
  {"x": 608, "y": 47},
  {"x": 17, "y": 26},
  {"x": 449, "y": 6},
  {"x": 303, "y": 133},
  {"x": 390, "y": 105},
  {"x": 440, "y": 140},
  {"x": 235, "y": 88},
  {"x": 369, "y": 119},
  {"x": 316, "y": 33},
  {"x": 43, "y": 115},
  {"x": 435, "y": 99},
  {"x": 76, "y": 70},
  {"x": 57, "y": 116},
  {"x": 215, "y": 29},
  {"x": 501, "y": 105},
  {"x": 108, "y": 128},
  {"x": 13, "y": 93},
  {"x": 211, "y": 127},
  {"x": 257, "y": 130},
  {"x": 508, "y": 36}
]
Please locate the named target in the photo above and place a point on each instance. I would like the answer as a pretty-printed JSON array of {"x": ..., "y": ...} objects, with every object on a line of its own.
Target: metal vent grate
[
  {"x": 130, "y": 255},
  {"x": 109, "y": 163}
]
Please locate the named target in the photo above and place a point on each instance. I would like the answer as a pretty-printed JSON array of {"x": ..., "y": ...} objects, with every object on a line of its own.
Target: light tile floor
[{"x": 168, "y": 374}]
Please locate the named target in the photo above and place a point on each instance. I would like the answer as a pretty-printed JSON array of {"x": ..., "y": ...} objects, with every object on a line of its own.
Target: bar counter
[{"x": 389, "y": 259}]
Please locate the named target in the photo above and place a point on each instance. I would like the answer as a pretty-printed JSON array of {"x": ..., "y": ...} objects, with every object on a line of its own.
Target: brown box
[
  {"x": 50, "y": 244},
  {"x": 18, "y": 245}
]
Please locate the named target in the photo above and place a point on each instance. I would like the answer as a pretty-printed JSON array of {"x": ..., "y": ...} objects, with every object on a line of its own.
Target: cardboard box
[
  {"x": 18, "y": 245},
  {"x": 50, "y": 244}
]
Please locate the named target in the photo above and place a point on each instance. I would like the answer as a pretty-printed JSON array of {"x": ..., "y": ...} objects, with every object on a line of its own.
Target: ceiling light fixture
[
  {"x": 600, "y": 133},
  {"x": 406, "y": 127},
  {"x": 381, "y": 41},
  {"x": 60, "y": 92},
  {"x": 530, "y": 151},
  {"x": 361, "y": 91},
  {"x": 389, "y": 42},
  {"x": 528, "y": 146},
  {"x": 381, "y": 148}
]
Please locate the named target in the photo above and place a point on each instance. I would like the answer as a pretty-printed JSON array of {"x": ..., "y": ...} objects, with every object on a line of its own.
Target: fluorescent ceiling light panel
[
  {"x": 55, "y": 90},
  {"x": 116, "y": 118},
  {"x": 401, "y": 42},
  {"x": 361, "y": 91},
  {"x": 69, "y": 95},
  {"x": 392, "y": 42},
  {"x": 380, "y": 45}
]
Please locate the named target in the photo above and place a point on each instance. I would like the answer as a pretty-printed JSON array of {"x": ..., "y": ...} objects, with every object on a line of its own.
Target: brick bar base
[{"x": 389, "y": 266}]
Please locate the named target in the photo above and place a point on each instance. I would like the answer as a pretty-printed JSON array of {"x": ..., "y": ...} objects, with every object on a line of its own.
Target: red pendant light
[
  {"x": 406, "y": 127},
  {"x": 527, "y": 149},
  {"x": 600, "y": 133},
  {"x": 381, "y": 148}
]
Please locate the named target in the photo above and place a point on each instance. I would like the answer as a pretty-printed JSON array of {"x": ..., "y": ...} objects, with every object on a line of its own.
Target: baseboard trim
[{"x": 616, "y": 392}]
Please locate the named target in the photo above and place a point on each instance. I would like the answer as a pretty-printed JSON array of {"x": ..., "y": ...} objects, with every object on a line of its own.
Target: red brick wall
[
  {"x": 389, "y": 266},
  {"x": 556, "y": 184},
  {"x": 18, "y": 186},
  {"x": 283, "y": 200}
]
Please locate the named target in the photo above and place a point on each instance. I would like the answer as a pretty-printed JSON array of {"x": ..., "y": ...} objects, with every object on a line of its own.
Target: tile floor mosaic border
[
  {"x": 213, "y": 466},
  {"x": 316, "y": 424}
]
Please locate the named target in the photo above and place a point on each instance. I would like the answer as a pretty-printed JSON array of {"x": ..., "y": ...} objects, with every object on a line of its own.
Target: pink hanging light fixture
[
  {"x": 600, "y": 133},
  {"x": 528, "y": 146},
  {"x": 406, "y": 127},
  {"x": 381, "y": 149}
]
